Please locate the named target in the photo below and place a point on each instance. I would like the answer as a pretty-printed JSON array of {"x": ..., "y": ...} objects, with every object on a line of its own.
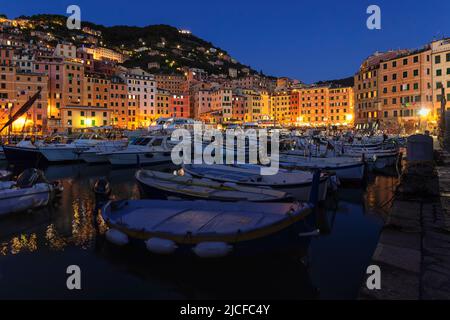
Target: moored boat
[
  {"x": 295, "y": 182},
  {"x": 29, "y": 191},
  {"x": 22, "y": 152},
  {"x": 97, "y": 153},
  {"x": 148, "y": 150},
  {"x": 346, "y": 168},
  {"x": 155, "y": 183},
  {"x": 208, "y": 229}
]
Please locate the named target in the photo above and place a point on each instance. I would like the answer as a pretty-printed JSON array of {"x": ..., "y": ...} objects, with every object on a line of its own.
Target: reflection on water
[{"x": 36, "y": 248}]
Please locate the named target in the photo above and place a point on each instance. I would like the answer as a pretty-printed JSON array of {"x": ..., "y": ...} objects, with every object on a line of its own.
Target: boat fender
[
  {"x": 160, "y": 246},
  {"x": 212, "y": 249},
  {"x": 117, "y": 237}
]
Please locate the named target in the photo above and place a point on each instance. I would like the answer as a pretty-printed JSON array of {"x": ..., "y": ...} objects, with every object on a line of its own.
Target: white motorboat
[
  {"x": 41, "y": 152},
  {"x": 148, "y": 150},
  {"x": 67, "y": 152},
  {"x": 97, "y": 153}
]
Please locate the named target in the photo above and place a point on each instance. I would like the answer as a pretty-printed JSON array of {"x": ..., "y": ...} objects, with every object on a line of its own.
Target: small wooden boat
[
  {"x": 346, "y": 168},
  {"x": 155, "y": 183},
  {"x": 295, "y": 182},
  {"x": 378, "y": 159},
  {"x": 208, "y": 229},
  {"x": 29, "y": 191}
]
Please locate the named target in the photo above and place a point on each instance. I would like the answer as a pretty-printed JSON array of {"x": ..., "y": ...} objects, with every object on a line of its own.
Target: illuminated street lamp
[
  {"x": 349, "y": 117},
  {"x": 423, "y": 114}
]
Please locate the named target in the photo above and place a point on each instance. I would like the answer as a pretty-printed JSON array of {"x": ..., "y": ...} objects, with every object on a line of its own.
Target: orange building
[
  {"x": 175, "y": 84},
  {"x": 366, "y": 87},
  {"x": 313, "y": 104},
  {"x": 405, "y": 90},
  {"x": 65, "y": 85},
  {"x": 118, "y": 102},
  {"x": 96, "y": 90},
  {"x": 16, "y": 88},
  {"x": 341, "y": 106}
]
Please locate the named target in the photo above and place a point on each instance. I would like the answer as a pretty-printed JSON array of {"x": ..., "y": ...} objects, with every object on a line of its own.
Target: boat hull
[
  {"x": 18, "y": 200},
  {"x": 301, "y": 192},
  {"x": 150, "y": 192},
  {"x": 291, "y": 229},
  {"x": 59, "y": 155},
  {"x": 93, "y": 157},
  {"x": 353, "y": 171},
  {"x": 121, "y": 159},
  {"x": 382, "y": 161},
  {"x": 22, "y": 155}
]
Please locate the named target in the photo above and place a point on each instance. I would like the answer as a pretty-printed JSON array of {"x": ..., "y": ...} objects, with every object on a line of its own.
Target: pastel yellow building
[
  {"x": 81, "y": 117},
  {"x": 280, "y": 103}
]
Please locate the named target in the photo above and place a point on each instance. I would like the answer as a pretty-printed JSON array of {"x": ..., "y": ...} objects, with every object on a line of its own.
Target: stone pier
[{"x": 413, "y": 252}]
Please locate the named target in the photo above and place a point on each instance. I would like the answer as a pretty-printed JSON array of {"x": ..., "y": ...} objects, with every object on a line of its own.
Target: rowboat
[
  {"x": 346, "y": 168},
  {"x": 207, "y": 229},
  {"x": 29, "y": 191},
  {"x": 295, "y": 182},
  {"x": 161, "y": 184}
]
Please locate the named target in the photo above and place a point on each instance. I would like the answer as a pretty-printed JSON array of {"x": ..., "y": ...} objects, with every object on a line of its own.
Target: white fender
[
  {"x": 117, "y": 237},
  {"x": 160, "y": 246},
  {"x": 212, "y": 249}
]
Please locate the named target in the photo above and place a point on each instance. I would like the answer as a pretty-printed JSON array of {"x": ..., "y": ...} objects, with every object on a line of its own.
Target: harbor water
[{"x": 37, "y": 247}]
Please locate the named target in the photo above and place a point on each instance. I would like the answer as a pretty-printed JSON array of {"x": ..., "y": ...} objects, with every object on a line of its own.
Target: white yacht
[
  {"x": 147, "y": 150},
  {"x": 96, "y": 154},
  {"x": 51, "y": 152}
]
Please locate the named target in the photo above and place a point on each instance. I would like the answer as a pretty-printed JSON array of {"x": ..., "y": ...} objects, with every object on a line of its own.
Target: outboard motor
[
  {"x": 102, "y": 190},
  {"x": 30, "y": 177}
]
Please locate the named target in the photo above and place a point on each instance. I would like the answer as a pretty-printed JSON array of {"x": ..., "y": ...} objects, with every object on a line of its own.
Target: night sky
[{"x": 306, "y": 40}]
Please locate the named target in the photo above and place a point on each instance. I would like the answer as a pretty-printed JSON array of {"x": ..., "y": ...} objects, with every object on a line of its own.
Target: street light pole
[{"x": 442, "y": 124}]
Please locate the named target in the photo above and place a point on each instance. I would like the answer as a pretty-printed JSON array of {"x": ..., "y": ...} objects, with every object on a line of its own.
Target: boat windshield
[
  {"x": 157, "y": 142},
  {"x": 142, "y": 141}
]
